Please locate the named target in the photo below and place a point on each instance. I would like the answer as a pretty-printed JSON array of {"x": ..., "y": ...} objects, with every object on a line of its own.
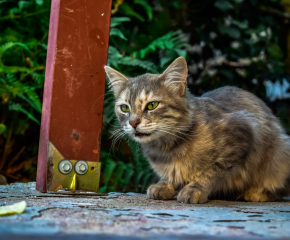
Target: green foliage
[
  {"x": 223, "y": 5},
  {"x": 146, "y": 6},
  {"x": 115, "y": 174},
  {"x": 116, "y": 21},
  {"x": 174, "y": 43},
  {"x": 23, "y": 39},
  {"x": 115, "y": 58},
  {"x": 2, "y": 128}
]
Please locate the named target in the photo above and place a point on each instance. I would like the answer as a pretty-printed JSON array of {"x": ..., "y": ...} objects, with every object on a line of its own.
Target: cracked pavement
[{"x": 133, "y": 216}]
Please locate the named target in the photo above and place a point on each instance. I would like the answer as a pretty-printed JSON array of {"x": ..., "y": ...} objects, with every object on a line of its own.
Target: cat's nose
[{"x": 134, "y": 123}]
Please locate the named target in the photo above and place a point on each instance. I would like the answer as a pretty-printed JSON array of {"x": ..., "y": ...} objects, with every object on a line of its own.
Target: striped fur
[{"x": 226, "y": 143}]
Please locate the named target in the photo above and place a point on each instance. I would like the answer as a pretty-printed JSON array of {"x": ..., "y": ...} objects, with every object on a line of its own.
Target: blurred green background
[{"x": 244, "y": 43}]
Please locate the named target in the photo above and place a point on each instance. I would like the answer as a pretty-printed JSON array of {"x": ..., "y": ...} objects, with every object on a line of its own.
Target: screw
[
  {"x": 65, "y": 166},
  {"x": 81, "y": 167}
]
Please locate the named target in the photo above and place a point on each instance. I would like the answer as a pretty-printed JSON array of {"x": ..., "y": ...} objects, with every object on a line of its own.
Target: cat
[{"x": 226, "y": 142}]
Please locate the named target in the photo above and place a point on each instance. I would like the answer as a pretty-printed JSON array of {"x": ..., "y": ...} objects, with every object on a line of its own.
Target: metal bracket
[{"x": 68, "y": 176}]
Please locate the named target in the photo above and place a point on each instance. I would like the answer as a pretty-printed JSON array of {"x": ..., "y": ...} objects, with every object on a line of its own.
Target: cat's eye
[
  {"x": 152, "y": 105},
  {"x": 125, "y": 108}
]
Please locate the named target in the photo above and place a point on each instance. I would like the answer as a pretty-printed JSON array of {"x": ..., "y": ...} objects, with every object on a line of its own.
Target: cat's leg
[
  {"x": 198, "y": 190},
  {"x": 161, "y": 191},
  {"x": 259, "y": 195}
]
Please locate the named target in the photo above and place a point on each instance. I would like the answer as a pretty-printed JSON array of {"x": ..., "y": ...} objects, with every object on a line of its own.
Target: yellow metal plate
[{"x": 71, "y": 181}]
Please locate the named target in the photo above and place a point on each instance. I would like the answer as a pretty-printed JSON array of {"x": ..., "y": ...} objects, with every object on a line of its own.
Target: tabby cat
[{"x": 225, "y": 143}]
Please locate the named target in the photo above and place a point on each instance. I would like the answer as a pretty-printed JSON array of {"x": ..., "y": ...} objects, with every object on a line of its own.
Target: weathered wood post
[{"x": 73, "y": 98}]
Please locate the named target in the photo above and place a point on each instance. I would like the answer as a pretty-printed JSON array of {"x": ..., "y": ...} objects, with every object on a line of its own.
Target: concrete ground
[{"x": 133, "y": 216}]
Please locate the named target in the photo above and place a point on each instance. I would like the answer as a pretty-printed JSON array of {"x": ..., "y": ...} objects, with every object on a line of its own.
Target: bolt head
[
  {"x": 65, "y": 166},
  {"x": 81, "y": 167}
]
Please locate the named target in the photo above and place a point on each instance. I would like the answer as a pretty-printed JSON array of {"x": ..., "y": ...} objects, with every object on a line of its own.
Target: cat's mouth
[{"x": 141, "y": 135}]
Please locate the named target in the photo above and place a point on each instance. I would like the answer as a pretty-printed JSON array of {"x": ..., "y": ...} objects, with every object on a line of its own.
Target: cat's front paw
[
  {"x": 161, "y": 191},
  {"x": 192, "y": 194}
]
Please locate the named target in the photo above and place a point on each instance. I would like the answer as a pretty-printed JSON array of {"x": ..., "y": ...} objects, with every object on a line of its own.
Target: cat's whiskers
[
  {"x": 117, "y": 135},
  {"x": 115, "y": 131},
  {"x": 119, "y": 138},
  {"x": 115, "y": 138}
]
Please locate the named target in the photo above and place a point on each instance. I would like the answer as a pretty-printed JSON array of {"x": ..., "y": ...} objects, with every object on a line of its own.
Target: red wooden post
[{"x": 74, "y": 83}]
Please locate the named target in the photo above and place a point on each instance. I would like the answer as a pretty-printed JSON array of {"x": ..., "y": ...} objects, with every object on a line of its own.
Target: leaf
[
  {"x": 146, "y": 6},
  {"x": 167, "y": 58},
  {"x": 117, "y": 32},
  {"x": 181, "y": 52},
  {"x": 169, "y": 41},
  {"x": 230, "y": 31},
  {"x": 39, "y": 2},
  {"x": 129, "y": 11},
  {"x": 128, "y": 175},
  {"x": 2, "y": 128},
  {"x": 118, "y": 173},
  {"x": 116, "y": 21},
  {"x": 17, "y": 107},
  {"x": 38, "y": 77},
  {"x": 14, "y": 69},
  {"x": 242, "y": 25},
  {"x": 33, "y": 100},
  {"x": 110, "y": 165},
  {"x": 16, "y": 208},
  {"x": 139, "y": 63},
  {"x": 8, "y": 45},
  {"x": 22, "y": 4},
  {"x": 102, "y": 189},
  {"x": 223, "y": 5},
  {"x": 114, "y": 53},
  {"x": 115, "y": 58},
  {"x": 176, "y": 4},
  {"x": 275, "y": 51}
]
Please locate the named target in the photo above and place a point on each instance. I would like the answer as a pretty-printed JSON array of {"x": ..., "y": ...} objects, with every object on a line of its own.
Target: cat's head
[{"x": 151, "y": 106}]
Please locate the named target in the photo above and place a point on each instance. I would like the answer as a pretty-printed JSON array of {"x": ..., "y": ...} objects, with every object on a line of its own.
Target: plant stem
[{"x": 23, "y": 16}]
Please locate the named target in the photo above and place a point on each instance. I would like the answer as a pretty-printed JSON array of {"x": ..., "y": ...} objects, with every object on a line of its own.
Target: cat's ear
[
  {"x": 116, "y": 79},
  {"x": 175, "y": 75}
]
